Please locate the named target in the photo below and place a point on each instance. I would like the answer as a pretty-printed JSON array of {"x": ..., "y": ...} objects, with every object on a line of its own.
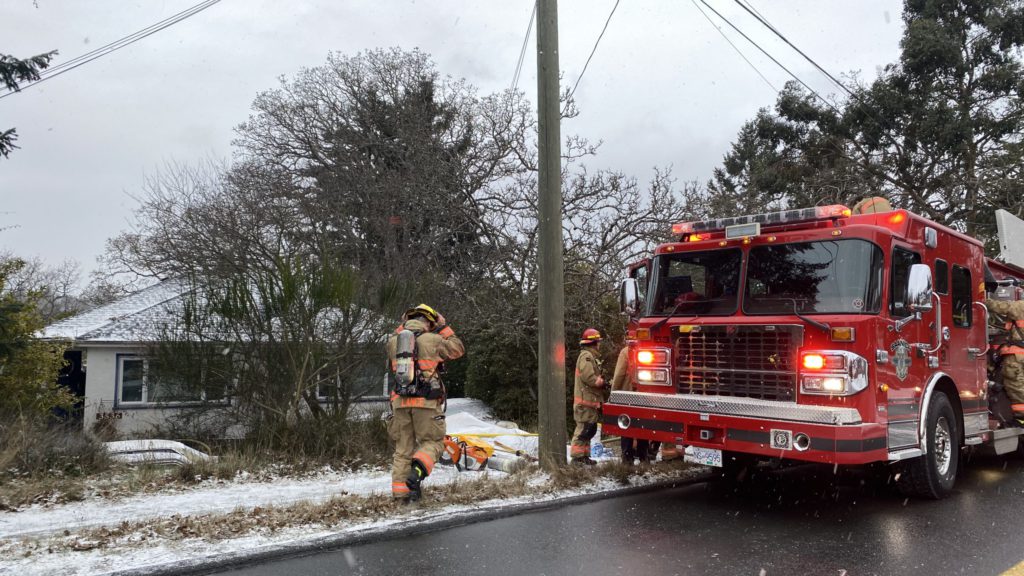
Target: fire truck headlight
[
  {"x": 823, "y": 384},
  {"x": 841, "y": 373},
  {"x": 652, "y": 357},
  {"x": 653, "y": 376}
]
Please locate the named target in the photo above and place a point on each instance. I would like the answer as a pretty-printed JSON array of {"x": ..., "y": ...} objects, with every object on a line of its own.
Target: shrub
[{"x": 34, "y": 447}]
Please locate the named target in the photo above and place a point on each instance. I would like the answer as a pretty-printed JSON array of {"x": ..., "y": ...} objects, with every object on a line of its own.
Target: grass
[
  {"x": 338, "y": 512},
  {"x": 43, "y": 463}
]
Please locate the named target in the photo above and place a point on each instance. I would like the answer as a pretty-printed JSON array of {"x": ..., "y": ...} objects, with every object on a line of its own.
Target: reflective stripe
[
  {"x": 399, "y": 488},
  {"x": 447, "y": 332},
  {"x": 427, "y": 364},
  {"x": 577, "y": 401},
  {"x": 1007, "y": 350},
  {"x": 1017, "y": 407},
  {"x": 424, "y": 459},
  {"x": 1017, "y": 323},
  {"x": 578, "y": 450}
]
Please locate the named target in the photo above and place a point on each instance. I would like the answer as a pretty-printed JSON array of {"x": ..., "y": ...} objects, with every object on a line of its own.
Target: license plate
[{"x": 705, "y": 456}]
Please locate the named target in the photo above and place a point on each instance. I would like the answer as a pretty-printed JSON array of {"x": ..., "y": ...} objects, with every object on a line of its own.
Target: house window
[
  {"x": 143, "y": 380},
  {"x": 133, "y": 387},
  {"x": 368, "y": 381}
]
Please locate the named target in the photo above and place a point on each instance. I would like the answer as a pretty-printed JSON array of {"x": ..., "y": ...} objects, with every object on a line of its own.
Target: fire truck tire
[{"x": 933, "y": 474}]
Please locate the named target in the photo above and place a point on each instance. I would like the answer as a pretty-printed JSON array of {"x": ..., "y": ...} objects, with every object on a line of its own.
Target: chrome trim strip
[
  {"x": 904, "y": 454},
  {"x": 902, "y": 434},
  {"x": 975, "y": 424},
  {"x": 925, "y": 402},
  {"x": 729, "y": 406}
]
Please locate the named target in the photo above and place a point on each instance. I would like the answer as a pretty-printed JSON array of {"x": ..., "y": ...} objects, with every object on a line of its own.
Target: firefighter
[
  {"x": 622, "y": 380},
  {"x": 1010, "y": 352},
  {"x": 417, "y": 424},
  {"x": 588, "y": 393}
]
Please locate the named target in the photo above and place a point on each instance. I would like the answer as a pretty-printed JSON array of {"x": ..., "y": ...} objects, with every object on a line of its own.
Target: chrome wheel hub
[{"x": 943, "y": 446}]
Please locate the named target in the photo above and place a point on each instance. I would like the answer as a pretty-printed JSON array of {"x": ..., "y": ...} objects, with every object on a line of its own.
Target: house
[{"x": 109, "y": 368}]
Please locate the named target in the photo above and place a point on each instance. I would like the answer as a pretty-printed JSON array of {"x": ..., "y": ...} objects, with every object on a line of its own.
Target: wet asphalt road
[{"x": 802, "y": 520}]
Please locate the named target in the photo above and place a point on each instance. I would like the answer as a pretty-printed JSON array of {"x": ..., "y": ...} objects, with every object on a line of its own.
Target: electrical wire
[
  {"x": 885, "y": 126},
  {"x": 772, "y": 58},
  {"x": 838, "y": 148},
  {"x": 115, "y": 43},
  {"x": 734, "y": 46},
  {"x": 601, "y": 35},
  {"x": 522, "y": 51},
  {"x": 54, "y": 71},
  {"x": 775, "y": 31}
]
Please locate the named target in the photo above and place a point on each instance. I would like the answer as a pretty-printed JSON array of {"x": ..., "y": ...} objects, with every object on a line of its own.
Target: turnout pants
[
  {"x": 586, "y": 428},
  {"x": 418, "y": 434},
  {"x": 1013, "y": 377}
]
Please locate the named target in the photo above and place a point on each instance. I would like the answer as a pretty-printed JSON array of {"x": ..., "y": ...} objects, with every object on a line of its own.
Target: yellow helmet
[{"x": 422, "y": 310}]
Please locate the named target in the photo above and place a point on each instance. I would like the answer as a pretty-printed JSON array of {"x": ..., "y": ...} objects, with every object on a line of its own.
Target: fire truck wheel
[{"x": 933, "y": 475}]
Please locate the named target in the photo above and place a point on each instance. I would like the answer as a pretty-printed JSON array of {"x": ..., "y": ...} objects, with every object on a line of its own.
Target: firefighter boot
[
  {"x": 626, "y": 448},
  {"x": 417, "y": 472}
]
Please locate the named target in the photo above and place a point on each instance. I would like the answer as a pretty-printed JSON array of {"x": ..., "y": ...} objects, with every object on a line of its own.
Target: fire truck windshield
[
  {"x": 697, "y": 283},
  {"x": 828, "y": 277}
]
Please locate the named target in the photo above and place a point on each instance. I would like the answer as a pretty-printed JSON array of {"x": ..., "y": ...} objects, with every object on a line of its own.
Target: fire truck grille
[{"x": 739, "y": 361}]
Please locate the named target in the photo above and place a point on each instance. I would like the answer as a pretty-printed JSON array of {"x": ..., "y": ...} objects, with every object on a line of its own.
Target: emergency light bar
[{"x": 766, "y": 219}]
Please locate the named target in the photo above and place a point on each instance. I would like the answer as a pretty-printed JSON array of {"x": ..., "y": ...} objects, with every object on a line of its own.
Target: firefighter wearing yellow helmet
[
  {"x": 588, "y": 394},
  {"x": 416, "y": 350}
]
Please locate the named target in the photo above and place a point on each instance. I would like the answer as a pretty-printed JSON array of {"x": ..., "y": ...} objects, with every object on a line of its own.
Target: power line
[
  {"x": 873, "y": 113},
  {"x": 734, "y": 47},
  {"x": 840, "y": 150},
  {"x": 51, "y": 70},
  {"x": 775, "y": 30},
  {"x": 522, "y": 51},
  {"x": 770, "y": 57},
  {"x": 83, "y": 59},
  {"x": 601, "y": 35}
]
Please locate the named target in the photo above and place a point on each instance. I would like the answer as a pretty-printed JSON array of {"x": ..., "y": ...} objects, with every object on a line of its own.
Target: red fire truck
[{"x": 815, "y": 335}]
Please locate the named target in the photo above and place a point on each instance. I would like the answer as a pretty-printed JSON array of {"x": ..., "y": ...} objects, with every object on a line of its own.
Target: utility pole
[{"x": 551, "y": 284}]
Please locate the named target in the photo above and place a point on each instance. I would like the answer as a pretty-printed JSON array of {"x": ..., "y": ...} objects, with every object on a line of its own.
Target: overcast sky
[{"x": 664, "y": 88}]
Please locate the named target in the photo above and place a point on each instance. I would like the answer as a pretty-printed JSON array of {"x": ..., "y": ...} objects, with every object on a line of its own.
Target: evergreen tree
[
  {"x": 13, "y": 72},
  {"x": 28, "y": 367},
  {"x": 939, "y": 132}
]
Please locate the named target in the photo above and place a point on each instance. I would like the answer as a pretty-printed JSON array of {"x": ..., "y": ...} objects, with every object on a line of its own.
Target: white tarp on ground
[{"x": 154, "y": 452}]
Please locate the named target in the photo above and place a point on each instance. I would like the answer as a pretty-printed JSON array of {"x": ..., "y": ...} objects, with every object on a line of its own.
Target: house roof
[
  {"x": 139, "y": 317},
  {"x": 147, "y": 315}
]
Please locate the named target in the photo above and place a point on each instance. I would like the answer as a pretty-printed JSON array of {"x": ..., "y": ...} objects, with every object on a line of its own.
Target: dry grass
[
  {"x": 335, "y": 513},
  {"x": 53, "y": 464}
]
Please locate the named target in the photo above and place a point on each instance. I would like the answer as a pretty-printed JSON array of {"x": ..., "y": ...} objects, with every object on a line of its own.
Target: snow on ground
[{"x": 464, "y": 416}]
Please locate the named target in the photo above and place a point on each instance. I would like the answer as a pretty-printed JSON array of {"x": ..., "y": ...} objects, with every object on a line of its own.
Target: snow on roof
[
  {"x": 147, "y": 315},
  {"x": 135, "y": 318}
]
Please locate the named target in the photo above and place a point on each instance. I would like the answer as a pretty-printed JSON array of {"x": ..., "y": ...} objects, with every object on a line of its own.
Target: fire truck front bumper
[{"x": 833, "y": 435}]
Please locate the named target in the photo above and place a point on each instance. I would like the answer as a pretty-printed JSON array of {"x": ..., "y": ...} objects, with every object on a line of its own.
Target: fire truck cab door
[{"x": 906, "y": 373}]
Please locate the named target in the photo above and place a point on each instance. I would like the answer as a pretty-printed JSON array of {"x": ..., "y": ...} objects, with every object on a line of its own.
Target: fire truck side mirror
[
  {"x": 629, "y": 297},
  {"x": 919, "y": 288}
]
